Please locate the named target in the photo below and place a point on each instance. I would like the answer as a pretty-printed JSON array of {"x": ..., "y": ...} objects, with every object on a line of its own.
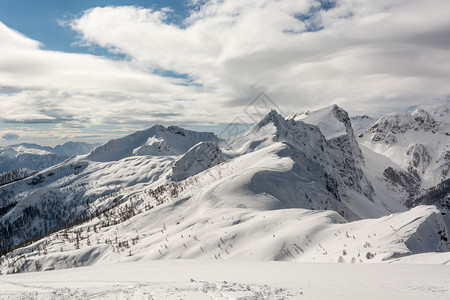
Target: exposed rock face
[
  {"x": 154, "y": 146},
  {"x": 402, "y": 122},
  {"x": 344, "y": 151},
  {"x": 418, "y": 146},
  {"x": 419, "y": 157},
  {"x": 443, "y": 163},
  {"x": 402, "y": 178},
  {"x": 430, "y": 236},
  {"x": 438, "y": 196}
]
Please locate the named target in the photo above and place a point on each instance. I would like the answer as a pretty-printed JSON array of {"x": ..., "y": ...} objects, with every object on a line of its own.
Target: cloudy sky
[{"x": 91, "y": 70}]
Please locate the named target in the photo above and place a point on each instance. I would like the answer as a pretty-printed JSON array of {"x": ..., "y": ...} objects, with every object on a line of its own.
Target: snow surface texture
[
  {"x": 200, "y": 279},
  {"x": 299, "y": 189}
]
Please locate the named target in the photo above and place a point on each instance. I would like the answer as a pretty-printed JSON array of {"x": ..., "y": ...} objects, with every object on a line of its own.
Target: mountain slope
[{"x": 79, "y": 188}]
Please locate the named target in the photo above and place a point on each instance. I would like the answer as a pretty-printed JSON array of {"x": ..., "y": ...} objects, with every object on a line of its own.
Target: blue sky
[
  {"x": 40, "y": 19},
  {"x": 95, "y": 70}
]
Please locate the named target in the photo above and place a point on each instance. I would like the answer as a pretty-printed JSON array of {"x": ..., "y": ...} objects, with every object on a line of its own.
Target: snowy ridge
[
  {"x": 288, "y": 235},
  {"x": 67, "y": 149},
  {"x": 331, "y": 120},
  {"x": 331, "y": 165},
  {"x": 73, "y": 148},
  {"x": 200, "y": 157},
  {"x": 25, "y": 148},
  {"x": 335, "y": 124}
]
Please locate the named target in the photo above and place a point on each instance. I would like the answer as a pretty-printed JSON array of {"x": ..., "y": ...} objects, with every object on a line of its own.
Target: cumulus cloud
[
  {"x": 367, "y": 56},
  {"x": 10, "y": 137}
]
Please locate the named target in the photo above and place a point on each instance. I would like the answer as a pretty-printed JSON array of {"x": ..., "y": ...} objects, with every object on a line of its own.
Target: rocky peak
[
  {"x": 177, "y": 130},
  {"x": 400, "y": 123},
  {"x": 326, "y": 136},
  {"x": 271, "y": 117}
]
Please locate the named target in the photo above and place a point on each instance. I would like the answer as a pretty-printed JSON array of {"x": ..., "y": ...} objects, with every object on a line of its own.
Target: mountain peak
[
  {"x": 417, "y": 120},
  {"x": 442, "y": 109},
  {"x": 157, "y": 140},
  {"x": 332, "y": 120},
  {"x": 271, "y": 117},
  {"x": 177, "y": 130}
]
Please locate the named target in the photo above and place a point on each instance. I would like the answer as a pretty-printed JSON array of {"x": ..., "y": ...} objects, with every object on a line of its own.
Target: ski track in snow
[
  {"x": 156, "y": 291},
  {"x": 144, "y": 290}
]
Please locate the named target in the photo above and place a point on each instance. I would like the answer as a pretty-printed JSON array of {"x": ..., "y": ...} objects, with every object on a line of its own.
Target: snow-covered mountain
[
  {"x": 415, "y": 148},
  {"x": 73, "y": 148},
  {"x": 361, "y": 123},
  {"x": 156, "y": 140},
  {"x": 36, "y": 157},
  {"x": 300, "y": 188}
]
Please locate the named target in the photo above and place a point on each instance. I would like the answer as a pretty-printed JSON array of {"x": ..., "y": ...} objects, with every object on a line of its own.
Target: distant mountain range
[
  {"x": 315, "y": 186},
  {"x": 37, "y": 158}
]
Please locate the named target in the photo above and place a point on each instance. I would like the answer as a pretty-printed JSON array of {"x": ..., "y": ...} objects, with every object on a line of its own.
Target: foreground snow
[{"x": 207, "y": 279}]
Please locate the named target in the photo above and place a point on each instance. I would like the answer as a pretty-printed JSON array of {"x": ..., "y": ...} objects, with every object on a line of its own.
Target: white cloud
[
  {"x": 367, "y": 56},
  {"x": 394, "y": 54},
  {"x": 10, "y": 136}
]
